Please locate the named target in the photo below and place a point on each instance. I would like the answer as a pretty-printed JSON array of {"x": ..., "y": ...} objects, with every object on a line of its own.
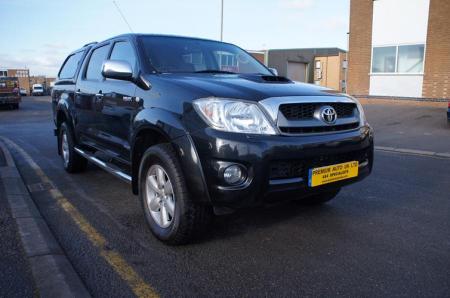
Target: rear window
[{"x": 70, "y": 66}]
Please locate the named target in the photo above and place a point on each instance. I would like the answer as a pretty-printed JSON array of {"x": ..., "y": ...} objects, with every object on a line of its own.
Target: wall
[
  {"x": 331, "y": 69},
  {"x": 24, "y": 77},
  {"x": 278, "y": 58},
  {"x": 402, "y": 86},
  {"x": 260, "y": 56},
  {"x": 398, "y": 22},
  {"x": 437, "y": 58},
  {"x": 360, "y": 46}
]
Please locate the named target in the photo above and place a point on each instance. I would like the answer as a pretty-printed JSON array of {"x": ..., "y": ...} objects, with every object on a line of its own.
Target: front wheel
[{"x": 172, "y": 215}]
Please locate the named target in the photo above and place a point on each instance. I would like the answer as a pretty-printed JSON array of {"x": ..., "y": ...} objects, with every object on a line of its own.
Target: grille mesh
[{"x": 304, "y": 111}]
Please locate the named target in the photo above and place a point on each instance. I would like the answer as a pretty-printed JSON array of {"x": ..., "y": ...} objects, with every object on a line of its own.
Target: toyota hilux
[{"x": 199, "y": 127}]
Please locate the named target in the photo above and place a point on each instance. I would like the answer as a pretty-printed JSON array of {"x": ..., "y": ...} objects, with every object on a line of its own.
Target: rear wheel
[
  {"x": 72, "y": 161},
  {"x": 321, "y": 198},
  {"x": 172, "y": 215}
]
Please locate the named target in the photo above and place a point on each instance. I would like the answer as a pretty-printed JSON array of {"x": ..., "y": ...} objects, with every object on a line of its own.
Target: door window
[
  {"x": 124, "y": 51},
  {"x": 94, "y": 68}
]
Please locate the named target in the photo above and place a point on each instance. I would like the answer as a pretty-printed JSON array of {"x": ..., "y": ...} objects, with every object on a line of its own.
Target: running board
[{"x": 110, "y": 168}]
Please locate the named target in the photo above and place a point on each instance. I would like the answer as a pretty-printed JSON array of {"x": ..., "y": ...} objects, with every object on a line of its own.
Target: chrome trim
[
  {"x": 105, "y": 166},
  {"x": 285, "y": 181},
  {"x": 117, "y": 69},
  {"x": 272, "y": 104},
  {"x": 271, "y": 108},
  {"x": 363, "y": 164}
]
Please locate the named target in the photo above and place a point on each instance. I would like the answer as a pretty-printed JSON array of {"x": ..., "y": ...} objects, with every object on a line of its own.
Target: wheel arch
[
  {"x": 167, "y": 129},
  {"x": 62, "y": 115}
]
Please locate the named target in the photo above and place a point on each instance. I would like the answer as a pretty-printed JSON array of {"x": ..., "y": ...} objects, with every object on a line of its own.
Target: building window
[
  {"x": 410, "y": 59},
  {"x": 383, "y": 59},
  {"x": 317, "y": 63},
  {"x": 3, "y": 73},
  {"x": 398, "y": 59}
]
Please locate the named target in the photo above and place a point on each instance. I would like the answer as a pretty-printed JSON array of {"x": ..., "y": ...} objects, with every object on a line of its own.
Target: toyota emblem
[{"x": 328, "y": 114}]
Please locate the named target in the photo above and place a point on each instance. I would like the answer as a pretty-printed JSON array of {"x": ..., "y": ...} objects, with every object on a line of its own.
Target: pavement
[{"x": 385, "y": 236}]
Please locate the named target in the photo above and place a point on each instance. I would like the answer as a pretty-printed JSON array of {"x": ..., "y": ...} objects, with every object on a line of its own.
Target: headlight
[
  {"x": 233, "y": 115},
  {"x": 362, "y": 116}
]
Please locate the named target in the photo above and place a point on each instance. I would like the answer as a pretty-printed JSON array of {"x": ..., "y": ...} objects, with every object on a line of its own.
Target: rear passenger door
[
  {"x": 89, "y": 98},
  {"x": 119, "y": 102}
]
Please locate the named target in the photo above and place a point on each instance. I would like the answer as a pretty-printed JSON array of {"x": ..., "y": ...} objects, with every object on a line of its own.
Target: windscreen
[{"x": 188, "y": 55}]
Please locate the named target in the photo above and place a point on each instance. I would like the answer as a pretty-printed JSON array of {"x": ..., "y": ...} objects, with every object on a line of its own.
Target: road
[{"x": 386, "y": 236}]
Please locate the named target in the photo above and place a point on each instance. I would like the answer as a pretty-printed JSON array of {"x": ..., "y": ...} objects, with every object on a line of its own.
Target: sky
[{"x": 39, "y": 34}]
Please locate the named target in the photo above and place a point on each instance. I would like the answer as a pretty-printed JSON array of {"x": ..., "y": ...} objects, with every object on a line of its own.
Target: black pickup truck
[{"x": 199, "y": 127}]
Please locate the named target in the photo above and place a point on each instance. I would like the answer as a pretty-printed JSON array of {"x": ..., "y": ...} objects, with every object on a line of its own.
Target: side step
[{"x": 110, "y": 168}]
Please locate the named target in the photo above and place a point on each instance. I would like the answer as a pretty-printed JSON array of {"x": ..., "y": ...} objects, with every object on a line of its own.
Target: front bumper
[
  {"x": 9, "y": 99},
  {"x": 263, "y": 155}
]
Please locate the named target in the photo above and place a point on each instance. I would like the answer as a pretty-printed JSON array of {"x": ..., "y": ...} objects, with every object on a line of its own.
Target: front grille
[
  {"x": 318, "y": 129},
  {"x": 284, "y": 169},
  {"x": 304, "y": 111}
]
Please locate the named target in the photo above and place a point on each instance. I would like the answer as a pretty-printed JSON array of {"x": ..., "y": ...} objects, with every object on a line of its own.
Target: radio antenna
[{"x": 123, "y": 17}]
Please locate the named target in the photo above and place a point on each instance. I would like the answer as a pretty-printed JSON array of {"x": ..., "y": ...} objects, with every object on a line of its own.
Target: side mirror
[
  {"x": 117, "y": 69},
  {"x": 274, "y": 71}
]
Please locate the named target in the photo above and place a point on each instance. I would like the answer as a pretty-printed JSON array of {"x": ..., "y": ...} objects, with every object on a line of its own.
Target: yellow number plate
[{"x": 333, "y": 173}]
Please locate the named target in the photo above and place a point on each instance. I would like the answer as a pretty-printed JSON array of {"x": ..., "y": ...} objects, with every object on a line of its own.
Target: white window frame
[{"x": 396, "y": 73}]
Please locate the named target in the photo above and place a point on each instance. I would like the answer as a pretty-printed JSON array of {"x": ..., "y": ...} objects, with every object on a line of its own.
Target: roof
[
  {"x": 311, "y": 49},
  {"x": 158, "y": 35}
]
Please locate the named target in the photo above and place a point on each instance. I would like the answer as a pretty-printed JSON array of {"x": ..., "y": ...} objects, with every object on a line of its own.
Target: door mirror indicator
[{"x": 117, "y": 69}]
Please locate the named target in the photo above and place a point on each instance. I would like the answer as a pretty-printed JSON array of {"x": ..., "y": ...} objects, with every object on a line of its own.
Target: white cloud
[
  {"x": 298, "y": 4},
  {"x": 45, "y": 60}
]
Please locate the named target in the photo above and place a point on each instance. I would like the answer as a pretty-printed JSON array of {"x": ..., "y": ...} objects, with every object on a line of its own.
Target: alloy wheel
[{"x": 160, "y": 197}]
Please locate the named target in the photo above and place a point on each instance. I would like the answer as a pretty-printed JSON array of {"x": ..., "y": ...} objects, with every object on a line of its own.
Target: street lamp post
[{"x": 221, "y": 21}]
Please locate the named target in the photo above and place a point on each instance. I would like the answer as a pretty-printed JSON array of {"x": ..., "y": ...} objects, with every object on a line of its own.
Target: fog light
[{"x": 233, "y": 174}]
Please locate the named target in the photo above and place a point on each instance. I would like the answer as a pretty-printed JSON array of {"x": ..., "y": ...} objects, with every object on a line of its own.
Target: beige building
[
  {"x": 400, "y": 48},
  {"x": 329, "y": 71},
  {"x": 322, "y": 66}
]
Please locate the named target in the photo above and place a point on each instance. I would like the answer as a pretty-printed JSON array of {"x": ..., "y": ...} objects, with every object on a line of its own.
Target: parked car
[
  {"x": 9, "y": 92},
  {"x": 23, "y": 92},
  {"x": 448, "y": 112},
  {"x": 197, "y": 126},
  {"x": 37, "y": 90}
]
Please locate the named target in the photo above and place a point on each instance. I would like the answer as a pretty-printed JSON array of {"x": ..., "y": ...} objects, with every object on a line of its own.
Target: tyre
[
  {"x": 15, "y": 106},
  {"x": 321, "y": 198},
  {"x": 72, "y": 161},
  {"x": 172, "y": 215}
]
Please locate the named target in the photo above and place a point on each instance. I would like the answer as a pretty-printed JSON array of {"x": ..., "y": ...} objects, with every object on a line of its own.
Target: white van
[{"x": 37, "y": 89}]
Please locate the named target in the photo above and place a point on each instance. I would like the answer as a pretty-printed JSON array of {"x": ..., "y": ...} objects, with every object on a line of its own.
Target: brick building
[
  {"x": 25, "y": 80},
  {"x": 22, "y": 74},
  {"x": 399, "y": 48}
]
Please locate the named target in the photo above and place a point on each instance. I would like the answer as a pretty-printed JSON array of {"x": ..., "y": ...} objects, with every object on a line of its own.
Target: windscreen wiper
[{"x": 214, "y": 71}]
